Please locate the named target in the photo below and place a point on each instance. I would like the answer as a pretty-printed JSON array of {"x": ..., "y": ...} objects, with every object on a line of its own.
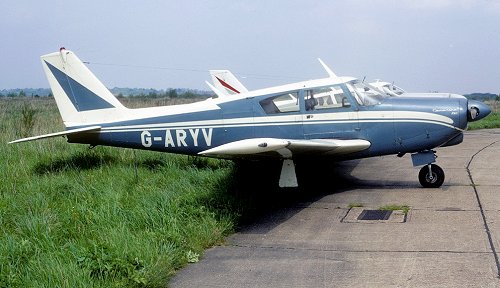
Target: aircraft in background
[
  {"x": 225, "y": 83},
  {"x": 264, "y": 124},
  {"x": 388, "y": 88}
]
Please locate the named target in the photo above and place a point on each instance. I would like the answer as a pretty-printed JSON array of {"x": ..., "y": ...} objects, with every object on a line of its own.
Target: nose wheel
[{"x": 431, "y": 176}]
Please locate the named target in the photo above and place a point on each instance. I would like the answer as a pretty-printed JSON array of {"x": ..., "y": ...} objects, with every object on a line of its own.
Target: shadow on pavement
[{"x": 256, "y": 187}]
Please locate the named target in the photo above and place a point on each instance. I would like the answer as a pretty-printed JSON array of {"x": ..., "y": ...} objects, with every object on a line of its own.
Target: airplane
[
  {"x": 251, "y": 126},
  {"x": 225, "y": 83}
]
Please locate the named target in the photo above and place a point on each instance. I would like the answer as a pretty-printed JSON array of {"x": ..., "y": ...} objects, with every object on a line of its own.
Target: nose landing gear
[{"x": 431, "y": 175}]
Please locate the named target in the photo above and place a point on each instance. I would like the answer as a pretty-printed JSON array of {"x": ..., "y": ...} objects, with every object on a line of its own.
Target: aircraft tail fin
[
  {"x": 81, "y": 98},
  {"x": 226, "y": 82}
]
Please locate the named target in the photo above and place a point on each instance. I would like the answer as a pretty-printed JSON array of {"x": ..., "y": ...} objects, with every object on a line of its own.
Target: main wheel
[{"x": 434, "y": 180}]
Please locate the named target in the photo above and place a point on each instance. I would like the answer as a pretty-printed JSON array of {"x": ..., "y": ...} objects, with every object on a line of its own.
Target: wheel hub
[{"x": 431, "y": 177}]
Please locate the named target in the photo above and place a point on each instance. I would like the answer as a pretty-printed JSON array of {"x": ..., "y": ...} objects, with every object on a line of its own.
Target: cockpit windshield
[{"x": 365, "y": 94}]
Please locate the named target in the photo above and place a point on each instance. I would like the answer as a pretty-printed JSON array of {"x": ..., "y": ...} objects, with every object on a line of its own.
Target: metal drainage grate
[{"x": 375, "y": 215}]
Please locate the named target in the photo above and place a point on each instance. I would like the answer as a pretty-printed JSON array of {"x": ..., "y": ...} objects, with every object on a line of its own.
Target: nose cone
[{"x": 477, "y": 110}]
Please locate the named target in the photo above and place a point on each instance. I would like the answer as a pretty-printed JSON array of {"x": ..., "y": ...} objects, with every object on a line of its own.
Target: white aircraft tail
[
  {"x": 225, "y": 82},
  {"x": 81, "y": 98}
]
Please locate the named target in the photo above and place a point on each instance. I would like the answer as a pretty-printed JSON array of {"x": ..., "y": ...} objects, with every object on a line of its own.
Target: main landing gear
[{"x": 431, "y": 175}]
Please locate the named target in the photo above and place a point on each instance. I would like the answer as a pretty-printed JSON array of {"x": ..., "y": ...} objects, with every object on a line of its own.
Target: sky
[{"x": 422, "y": 45}]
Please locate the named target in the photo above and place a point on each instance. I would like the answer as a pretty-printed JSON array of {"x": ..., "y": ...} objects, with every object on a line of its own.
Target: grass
[
  {"x": 106, "y": 217},
  {"x": 394, "y": 207},
  {"x": 491, "y": 121},
  {"x": 355, "y": 205}
]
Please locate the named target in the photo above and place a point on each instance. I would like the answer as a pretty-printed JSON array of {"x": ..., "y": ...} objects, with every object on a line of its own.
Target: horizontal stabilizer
[{"x": 62, "y": 133}]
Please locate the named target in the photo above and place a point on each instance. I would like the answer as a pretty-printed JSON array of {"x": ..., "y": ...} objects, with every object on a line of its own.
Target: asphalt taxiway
[{"x": 449, "y": 238}]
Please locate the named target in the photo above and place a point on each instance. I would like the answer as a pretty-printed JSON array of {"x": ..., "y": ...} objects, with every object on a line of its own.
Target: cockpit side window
[
  {"x": 325, "y": 98},
  {"x": 283, "y": 103}
]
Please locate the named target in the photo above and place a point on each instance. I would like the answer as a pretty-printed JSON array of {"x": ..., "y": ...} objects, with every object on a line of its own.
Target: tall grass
[{"x": 106, "y": 217}]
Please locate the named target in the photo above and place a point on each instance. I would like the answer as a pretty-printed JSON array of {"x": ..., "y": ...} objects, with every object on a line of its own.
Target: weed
[
  {"x": 356, "y": 204},
  {"x": 28, "y": 118},
  {"x": 393, "y": 207},
  {"x": 192, "y": 257},
  {"x": 102, "y": 264}
]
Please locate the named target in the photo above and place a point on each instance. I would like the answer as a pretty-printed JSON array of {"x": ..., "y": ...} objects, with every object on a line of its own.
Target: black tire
[{"x": 437, "y": 176}]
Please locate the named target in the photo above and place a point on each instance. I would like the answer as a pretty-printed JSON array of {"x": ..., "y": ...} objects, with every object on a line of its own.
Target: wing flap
[
  {"x": 286, "y": 148},
  {"x": 247, "y": 147},
  {"x": 62, "y": 133},
  {"x": 328, "y": 146}
]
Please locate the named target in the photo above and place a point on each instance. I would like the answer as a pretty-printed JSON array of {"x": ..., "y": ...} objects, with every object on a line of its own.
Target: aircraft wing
[
  {"x": 286, "y": 148},
  {"x": 62, "y": 133}
]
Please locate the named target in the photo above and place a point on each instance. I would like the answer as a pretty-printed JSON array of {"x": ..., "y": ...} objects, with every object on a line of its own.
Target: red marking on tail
[{"x": 227, "y": 85}]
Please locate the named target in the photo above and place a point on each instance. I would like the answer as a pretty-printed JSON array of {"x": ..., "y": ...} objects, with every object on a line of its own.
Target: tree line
[{"x": 118, "y": 92}]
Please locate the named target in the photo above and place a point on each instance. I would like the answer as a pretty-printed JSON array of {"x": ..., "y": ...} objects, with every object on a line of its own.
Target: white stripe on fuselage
[{"x": 295, "y": 119}]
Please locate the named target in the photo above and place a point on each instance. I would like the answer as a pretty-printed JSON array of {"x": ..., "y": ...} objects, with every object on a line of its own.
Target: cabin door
[{"x": 329, "y": 113}]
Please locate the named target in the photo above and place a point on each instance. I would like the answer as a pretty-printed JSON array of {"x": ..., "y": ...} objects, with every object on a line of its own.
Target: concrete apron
[{"x": 448, "y": 239}]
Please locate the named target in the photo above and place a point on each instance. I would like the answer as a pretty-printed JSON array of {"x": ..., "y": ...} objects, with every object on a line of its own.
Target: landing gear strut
[{"x": 431, "y": 176}]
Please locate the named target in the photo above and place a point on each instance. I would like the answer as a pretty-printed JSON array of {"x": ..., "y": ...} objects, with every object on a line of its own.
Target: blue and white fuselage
[
  {"x": 392, "y": 126},
  {"x": 325, "y": 118}
]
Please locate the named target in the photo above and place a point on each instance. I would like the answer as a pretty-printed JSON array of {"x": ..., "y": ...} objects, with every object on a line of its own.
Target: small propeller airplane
[{"x": 326, "y": 118}]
